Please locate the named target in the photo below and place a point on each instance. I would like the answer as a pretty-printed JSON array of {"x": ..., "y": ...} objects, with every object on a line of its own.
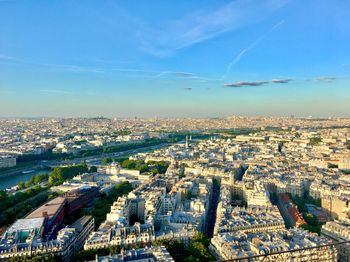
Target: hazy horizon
[{"x": 173, "y": 117}]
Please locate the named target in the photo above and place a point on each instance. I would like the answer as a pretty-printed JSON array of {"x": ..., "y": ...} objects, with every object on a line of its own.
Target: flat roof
[
  {"x": 26, "y": 224},
  {"x": 51, "y": 208},
  {"x": 81, "y": 223}
]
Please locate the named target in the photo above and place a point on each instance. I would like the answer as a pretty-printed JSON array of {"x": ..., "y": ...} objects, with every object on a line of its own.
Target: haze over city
[{"x": 207, "y": 58}]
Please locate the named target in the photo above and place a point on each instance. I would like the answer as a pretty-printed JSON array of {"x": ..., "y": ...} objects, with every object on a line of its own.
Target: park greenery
[
  {"x": 60, "y": 174},
  {"x": 34, "y": 180},
  {"x": 16, "y": 206},
  {"x": 120, "y": 133},
  {"x": 195, "y": 250},
  {"x": 35, "y": 258},
  {"x": 302, "y": 201},
  {"x": 92, "y": 169},
  {"x": 315, "y": 141},
  {"x": 313, "y": 225},
  {"x": 90, "y": 255},
  {"x": 234, "y": 132},
  {"x": 190, "y": 195},
  {"x": 155, "y": 167},
  {"x": 109, "y": 160}
]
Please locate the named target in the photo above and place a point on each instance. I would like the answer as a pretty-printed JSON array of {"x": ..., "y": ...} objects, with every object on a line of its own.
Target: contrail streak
[{"x": 251, "y": 46}]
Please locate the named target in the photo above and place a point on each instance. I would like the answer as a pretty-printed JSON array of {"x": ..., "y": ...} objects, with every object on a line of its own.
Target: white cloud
[{"x": 203, "y": 25}]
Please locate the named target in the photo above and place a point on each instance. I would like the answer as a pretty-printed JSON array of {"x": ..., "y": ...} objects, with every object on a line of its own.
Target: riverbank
[
  {"x": 10, "y": 181},
  {"x": 15, "y": 178}
]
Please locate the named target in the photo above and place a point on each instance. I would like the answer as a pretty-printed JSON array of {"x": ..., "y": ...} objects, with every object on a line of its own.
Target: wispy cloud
[
  {"x": 71, "y": 68},
  {"x": 174, "y": 73},
  {"x": 135, "y": 70},
  {"x": 326, "y": 78},
  {"x": 156, "y": 74},
  {"x": 281, "y": 81},
  {"x": 278, "y": 81},
  {"x": 257, "y": 83},
  {"x": 206, "y": 79},
  {"x": 56, "y": 91},
  {"x": 203, "y": 25},
  {"x": 151, "y": 74},
  {"x": 251, "y": 46},
  {"x": 184, "y": 74},
  {"x": 51, "y": 66},
  {"x": 243, "y": 84}
]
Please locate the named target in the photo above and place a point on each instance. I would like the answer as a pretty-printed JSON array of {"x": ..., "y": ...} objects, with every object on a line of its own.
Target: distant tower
[
  {"x": 190, "y": 137},
  {"x": 186, "y": 145}
]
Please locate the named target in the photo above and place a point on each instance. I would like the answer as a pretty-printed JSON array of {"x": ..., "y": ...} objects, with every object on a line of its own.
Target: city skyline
[{"x": 192, "y": 59}]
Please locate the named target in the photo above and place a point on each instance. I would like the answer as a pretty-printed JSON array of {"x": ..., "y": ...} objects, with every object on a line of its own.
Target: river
[{"x": 10, "y": 181}]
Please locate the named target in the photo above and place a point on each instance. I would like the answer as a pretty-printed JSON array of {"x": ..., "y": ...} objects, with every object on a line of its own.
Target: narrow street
[{"x": 212, "y": 208}]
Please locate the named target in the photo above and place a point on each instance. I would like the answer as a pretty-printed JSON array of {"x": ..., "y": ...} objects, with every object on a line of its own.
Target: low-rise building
[
  {"x": 26, "y": 238},
  {"x": 339, "y": 231},
  {"x": 280, "y": 246},
  {"x": 289, "y": 211},
  {"x": 153, "y": 254},
  {"x": 7, "y": 161}
]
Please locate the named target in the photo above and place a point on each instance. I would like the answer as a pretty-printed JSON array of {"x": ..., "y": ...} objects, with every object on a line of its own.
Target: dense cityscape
[
  {"x": 263, "y": 188},
  {"x": 174, "y": 131}
]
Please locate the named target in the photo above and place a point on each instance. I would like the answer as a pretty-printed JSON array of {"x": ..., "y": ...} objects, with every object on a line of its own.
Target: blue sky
[{"x": 174, "y": 59}]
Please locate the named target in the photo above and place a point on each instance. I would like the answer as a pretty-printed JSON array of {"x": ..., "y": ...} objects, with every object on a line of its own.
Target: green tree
[
  {"x": 3, "y": 195},
  {"x": 93, "y": 169},
  {"x": 60, "y": 174},
  {"x": 315, "y": 141},
  {"x": 20, "y": 185},
  {"x": 106, "y": 160},
  {"x": 28, "y": 183}
]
